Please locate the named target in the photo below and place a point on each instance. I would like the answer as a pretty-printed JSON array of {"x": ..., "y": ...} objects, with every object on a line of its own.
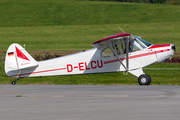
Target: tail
[{"x": 17, "y": 59}]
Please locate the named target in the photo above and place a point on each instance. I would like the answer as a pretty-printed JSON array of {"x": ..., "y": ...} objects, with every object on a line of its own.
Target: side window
[
  {"x": 119, "y": 46},
  {"x": 119, "y": 49},
  {"x": 107, "y": 53}
]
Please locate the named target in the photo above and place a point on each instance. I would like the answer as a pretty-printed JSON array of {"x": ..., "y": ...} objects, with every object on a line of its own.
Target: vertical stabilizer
[{"x": 17, "y": 59}]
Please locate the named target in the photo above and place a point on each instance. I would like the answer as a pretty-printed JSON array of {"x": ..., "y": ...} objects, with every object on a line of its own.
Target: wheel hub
[{"x": 143, "y": 80}]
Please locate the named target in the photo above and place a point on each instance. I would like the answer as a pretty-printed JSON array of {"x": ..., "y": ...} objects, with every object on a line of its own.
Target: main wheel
[{"x": 144, "y": 79}]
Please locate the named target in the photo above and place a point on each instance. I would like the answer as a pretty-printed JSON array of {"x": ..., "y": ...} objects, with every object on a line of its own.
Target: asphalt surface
[{"x": 88, "y": 102}]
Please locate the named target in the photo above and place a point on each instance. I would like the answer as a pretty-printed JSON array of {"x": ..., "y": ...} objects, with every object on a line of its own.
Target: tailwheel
[
  {"x": 13, "y": 82},
  {"x": 144, "y": 79}
]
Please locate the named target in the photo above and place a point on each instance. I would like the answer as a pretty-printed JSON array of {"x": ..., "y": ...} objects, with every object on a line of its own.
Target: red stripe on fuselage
[
  {"x": 159, "y": 46},
  {"x": 39, "y": 72}
]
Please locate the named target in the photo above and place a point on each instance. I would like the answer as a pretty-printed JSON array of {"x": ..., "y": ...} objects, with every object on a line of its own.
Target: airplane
[{"x": 122, "y": 52}]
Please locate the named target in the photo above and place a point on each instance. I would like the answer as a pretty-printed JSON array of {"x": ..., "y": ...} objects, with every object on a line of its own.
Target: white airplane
[{"x": 121, "y": 52}]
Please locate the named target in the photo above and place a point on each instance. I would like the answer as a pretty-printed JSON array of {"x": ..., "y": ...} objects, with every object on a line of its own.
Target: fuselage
[{"x": 92, "y": 61}]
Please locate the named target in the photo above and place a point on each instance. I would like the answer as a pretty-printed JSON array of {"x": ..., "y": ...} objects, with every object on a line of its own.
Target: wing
[{"x": 103, "y": 42}]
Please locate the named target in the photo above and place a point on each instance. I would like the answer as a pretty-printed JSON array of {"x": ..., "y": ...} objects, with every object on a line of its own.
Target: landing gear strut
[{"x": 144, "y": 79}]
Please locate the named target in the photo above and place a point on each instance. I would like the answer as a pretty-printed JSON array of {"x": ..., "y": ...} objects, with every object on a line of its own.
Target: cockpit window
[
  {"x": 107, "y": 53},
  {"x": 119, "y": 46}
]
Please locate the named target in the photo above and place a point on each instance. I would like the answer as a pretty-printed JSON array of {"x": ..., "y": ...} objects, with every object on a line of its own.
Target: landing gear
[
  {"x": 14, "y": 82},
  {"x": 144, "y": 79}
]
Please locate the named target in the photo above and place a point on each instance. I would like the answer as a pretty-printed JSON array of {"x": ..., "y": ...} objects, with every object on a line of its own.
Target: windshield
[
  {"x": 147, "y": 44},
  {"x": 140, "y": 44}
]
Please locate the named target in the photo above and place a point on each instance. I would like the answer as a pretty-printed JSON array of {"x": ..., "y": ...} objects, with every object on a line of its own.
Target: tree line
[{"x": 173, "y": 2}]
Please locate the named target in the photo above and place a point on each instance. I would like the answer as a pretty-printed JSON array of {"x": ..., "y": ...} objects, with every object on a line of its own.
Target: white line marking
[
  {"x": 111, "y": 96},
  {"x": 162, "y": 68},
  {"x": 169, "y": 95},
  {"x": 46, "y": 96}
]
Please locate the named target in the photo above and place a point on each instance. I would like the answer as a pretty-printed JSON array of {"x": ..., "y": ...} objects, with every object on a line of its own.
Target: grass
[
  {"x": 46, "y": 13},
  {"x": 46, "y": 25},
  {"x": 80, "y": 37},
  {"x": 161, "y": 76},
  {"x": 74, "y": 25}
]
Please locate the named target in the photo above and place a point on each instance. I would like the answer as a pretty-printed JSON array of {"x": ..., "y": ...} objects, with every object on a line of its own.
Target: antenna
[{"x": 121, "y": 29}]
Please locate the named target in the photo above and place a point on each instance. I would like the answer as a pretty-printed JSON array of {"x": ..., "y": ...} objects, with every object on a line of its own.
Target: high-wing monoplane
[{"x": 121, "y": 52}]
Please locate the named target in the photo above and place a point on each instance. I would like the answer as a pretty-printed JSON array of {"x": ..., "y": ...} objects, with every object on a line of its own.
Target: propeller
[{"x": 173, "y": 47}]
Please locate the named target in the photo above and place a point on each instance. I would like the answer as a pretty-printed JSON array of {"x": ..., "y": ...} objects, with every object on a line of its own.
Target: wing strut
[{"x": 127, "y": 53}]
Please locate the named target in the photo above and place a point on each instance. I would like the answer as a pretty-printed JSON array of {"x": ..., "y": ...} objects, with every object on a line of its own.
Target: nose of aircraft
[
  {"x": 173, "y": 47},
  {"x": 164, "y": 52}
]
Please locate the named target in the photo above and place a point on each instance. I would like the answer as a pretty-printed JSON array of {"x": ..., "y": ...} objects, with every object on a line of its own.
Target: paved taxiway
[{"x": 88, "y": 102}]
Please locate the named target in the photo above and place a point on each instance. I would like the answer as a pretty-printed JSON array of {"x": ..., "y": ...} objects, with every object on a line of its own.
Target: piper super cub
[{"x": 121, "y": 52}]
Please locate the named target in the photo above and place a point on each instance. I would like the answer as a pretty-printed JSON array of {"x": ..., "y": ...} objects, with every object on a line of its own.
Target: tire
[
  {"x": 13, "y": 82},
  {"x": 144, "y": 79}
]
